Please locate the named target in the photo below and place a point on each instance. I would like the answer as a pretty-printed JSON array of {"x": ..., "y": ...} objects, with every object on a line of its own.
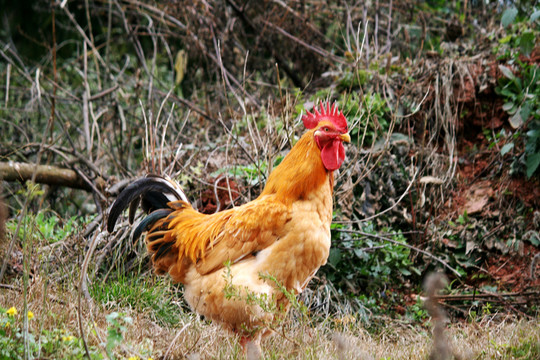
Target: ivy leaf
[
  {"x": 533, "y": 239},
  {"x": 508, "y": 16},
  {"x": 335, "y": 257},
  {"x": 361, "y": 254}
]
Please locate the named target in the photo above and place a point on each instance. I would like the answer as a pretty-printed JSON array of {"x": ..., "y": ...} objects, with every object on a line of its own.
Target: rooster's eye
[{"x": 326, "y": 129}]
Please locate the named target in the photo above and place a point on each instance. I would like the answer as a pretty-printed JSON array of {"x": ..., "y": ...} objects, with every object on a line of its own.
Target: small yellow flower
[
  {"x": 149, "y": 359},
  {"x": 134, "y": 358},
  {"x": 30, "y": 315},
  {"x": 7, "y": 324},
  {"x": 67, "y": 338},
  {"x": 12, "y": 311}
]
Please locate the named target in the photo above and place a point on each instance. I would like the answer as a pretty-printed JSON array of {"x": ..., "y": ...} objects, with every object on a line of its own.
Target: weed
[
  {"x": 49, "y": 344},
  {"x": 268, "y": 304},
  {"x": 520, "y": 88},
  {"x": 118, "y": 323},
  {"x": 417, "y": 311},
  {"x": 45, "y": 225},
  {"x": 368, "y": 263}
]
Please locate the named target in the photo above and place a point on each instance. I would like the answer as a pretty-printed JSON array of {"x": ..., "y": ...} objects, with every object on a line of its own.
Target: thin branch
[
  {"x": 438, "y": 259},
  {"x": 166, "y": 356},
  {"x": 396, "y": 203}
]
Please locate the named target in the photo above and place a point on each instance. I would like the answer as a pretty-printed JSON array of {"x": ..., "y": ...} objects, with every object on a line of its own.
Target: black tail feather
[
  {"x": 133, "y": 209},
  {"x": 151, "y": 190},
  {"x": 149, "y": 221},
  {"x": 153, "y": 200},
  {"x": 162, "y": 250}
]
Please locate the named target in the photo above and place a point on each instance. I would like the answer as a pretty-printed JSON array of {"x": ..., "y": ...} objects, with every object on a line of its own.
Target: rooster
[{"x": 278, "y": 240}]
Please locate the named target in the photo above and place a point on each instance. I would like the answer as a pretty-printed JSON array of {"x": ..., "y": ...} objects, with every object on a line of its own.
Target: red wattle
[{"x": 333, "y": 155}]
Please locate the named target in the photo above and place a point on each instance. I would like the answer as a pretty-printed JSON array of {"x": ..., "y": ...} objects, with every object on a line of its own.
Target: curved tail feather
[
  {"x": 153, "y": 192},
  {"x": 148, "y": 221},
  {"x": 160, "y": 198}
]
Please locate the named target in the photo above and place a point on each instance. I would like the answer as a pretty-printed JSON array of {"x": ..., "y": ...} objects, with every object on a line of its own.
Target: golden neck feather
[{"x": 300, "y": 173}]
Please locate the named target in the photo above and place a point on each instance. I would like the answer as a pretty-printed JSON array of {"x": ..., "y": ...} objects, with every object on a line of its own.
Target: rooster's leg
[{"x": 251, "y": 345}]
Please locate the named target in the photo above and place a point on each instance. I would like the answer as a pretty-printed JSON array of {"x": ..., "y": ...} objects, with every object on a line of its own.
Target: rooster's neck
[{"x": 300, "y": 173}]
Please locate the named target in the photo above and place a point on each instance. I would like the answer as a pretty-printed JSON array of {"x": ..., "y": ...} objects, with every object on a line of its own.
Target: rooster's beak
[{"x": 345, "y": 137}]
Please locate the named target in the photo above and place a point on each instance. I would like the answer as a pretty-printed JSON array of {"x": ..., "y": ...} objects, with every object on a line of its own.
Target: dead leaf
[
  {"x": 478, "y": 197},
  {"x": 470, "y": 246}
]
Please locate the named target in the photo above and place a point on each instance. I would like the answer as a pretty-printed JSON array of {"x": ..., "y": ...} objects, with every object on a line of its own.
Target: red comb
[{"x": 330, "y": 113}]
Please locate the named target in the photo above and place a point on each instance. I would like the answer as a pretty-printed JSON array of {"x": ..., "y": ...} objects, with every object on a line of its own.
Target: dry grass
[{"x": 329, "y": 338}]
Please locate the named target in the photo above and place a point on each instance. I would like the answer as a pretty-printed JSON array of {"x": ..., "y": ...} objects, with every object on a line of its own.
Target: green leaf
[
  {"x": 507, "y": 106},
  {"x": 508, "y": 16},
  {"x": 505, "y": 39},
  {"x": 399, "y": 137},
  {"x": 507, "y": 72},
  {"x": 535, "y": 15},
  {"x": 516, "y": 120},
  {"x": 507, "y": 93},
  {"x": 335, "y": 257},
  {"x": 533, "y": 239},
  {"x": 361, "y": 254},
  {"x": 506, "y": 148},
  {"x": 525, "y": 110},
  {"x": 518, "y": 83},
  {"x": 513, "y": 110},
  {"x": 404, "y": 271},
  {"x": 533, "y": 134},
  {"x": 532, "y": 164},
  {"x": 112, "y": 317},
  {"x": 526, "y": 43}
]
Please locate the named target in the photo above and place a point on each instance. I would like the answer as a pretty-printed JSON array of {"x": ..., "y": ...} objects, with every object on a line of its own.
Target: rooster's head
[{"x": 330, "y": 132}]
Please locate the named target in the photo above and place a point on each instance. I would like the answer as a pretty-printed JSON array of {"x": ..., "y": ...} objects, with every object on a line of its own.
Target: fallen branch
[
  {"x": 511, "y": 300},
  {"x": 46, "y": 174},
  {"x": 489, "y": 297}
]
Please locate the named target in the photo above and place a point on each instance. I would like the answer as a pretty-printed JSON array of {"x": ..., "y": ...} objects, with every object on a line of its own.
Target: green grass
[
  {"x": 528, "y": 349},
  {"x": 154, "y": 296}
]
